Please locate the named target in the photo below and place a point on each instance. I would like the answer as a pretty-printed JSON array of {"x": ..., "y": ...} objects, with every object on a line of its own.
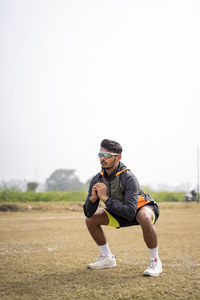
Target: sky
[{"x": 74, "y": 72}]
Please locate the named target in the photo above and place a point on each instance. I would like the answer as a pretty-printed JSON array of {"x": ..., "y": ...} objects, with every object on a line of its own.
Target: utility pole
[{"x": 198, "y": 174}]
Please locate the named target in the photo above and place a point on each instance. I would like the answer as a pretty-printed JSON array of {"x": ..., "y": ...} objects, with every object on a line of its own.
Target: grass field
[{"x": 44, "y": 252}]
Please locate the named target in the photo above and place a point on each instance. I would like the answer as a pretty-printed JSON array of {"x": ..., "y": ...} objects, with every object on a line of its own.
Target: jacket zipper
[{"x": 109, "y": 189}]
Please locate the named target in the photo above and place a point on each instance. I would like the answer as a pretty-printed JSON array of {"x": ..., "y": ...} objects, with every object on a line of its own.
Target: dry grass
[{"x": 44, "y": 253}]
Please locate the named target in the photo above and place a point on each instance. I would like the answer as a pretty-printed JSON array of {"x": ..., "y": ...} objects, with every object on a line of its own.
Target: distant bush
[
  {"x": 32, "y": 186},
  {"x": 29, "y": 196}
]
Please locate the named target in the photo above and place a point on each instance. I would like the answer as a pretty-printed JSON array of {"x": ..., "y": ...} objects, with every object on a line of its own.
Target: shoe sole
[
  {"x": 152, "y": 275},
  {"x": 98, "y": 268}
]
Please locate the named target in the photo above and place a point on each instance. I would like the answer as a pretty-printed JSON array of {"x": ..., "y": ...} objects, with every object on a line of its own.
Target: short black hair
[{"x": 111, "y": 146}]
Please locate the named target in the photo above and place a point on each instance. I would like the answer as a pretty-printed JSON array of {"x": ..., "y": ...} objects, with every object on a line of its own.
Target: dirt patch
[
  {"x": 41, "y": 206},
  {"x": 43, "y": 255}
]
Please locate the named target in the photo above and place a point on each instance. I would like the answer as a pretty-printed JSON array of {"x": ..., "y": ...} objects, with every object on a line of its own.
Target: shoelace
[
  {"x": 153, "y": 264},
  {"x": 100, "y": 257}
]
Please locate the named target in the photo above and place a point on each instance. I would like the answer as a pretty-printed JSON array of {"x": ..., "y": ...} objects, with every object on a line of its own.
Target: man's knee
[
  {"x": 145, "y": 217},
  {"x": 99, "y": 218},
  {"x": 89, "y": 221}
]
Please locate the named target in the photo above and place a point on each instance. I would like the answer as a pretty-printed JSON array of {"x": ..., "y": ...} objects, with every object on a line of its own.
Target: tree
[
  {"x": 31, "y": 186},
  {"x": 63, "y": 180}
]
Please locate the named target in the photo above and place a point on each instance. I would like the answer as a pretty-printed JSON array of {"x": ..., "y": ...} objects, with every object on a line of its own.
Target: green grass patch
[
  {"x": 168, "y": 196},
  {"x": 18, "y": 196}
]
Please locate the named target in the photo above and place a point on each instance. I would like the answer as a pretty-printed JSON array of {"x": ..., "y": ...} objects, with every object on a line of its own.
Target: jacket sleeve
[
  {"x": 89, "y": 207},
  {"x": 128, "y": 208}
]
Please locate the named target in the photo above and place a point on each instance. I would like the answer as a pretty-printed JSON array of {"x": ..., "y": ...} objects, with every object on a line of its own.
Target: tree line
[
  {"x": 64, "y": 185},
  {"x": 61, "y": 180}
]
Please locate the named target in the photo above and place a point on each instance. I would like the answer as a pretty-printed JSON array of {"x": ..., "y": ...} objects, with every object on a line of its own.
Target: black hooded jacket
[{"x": 126, "y": 208}]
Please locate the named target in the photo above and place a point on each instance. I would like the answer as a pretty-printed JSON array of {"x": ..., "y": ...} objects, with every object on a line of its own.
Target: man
[{"x": 125, "y": 205}]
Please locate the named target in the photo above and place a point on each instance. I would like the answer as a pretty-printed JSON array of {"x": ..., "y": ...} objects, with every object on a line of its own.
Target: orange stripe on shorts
[{"x": 141, "y": 202}]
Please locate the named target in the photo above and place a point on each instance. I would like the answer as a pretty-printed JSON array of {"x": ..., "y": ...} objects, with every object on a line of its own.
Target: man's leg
[
  {"x": 106, "y": 260},
  {"x": 144, "y": 218},
  {"x": 94, "y": 226}
]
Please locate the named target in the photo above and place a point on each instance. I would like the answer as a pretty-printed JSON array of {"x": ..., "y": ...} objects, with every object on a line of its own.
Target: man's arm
[{"x": 91, "y": 204}]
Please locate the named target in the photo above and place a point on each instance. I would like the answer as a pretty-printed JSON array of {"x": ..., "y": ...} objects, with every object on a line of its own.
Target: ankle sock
[
  {"x": 153, "y": 253},
  {"x": 105, "y": 250}
]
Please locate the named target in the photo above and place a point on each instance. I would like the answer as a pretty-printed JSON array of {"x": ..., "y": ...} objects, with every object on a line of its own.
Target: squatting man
[{"x": 125, "y": 205}]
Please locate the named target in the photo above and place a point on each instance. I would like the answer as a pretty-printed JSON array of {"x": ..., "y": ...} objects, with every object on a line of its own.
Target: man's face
[{"x": 109, "y": 163}]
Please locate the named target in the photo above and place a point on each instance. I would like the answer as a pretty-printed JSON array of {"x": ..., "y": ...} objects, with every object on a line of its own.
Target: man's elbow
[{"x": 87, "y": 213}]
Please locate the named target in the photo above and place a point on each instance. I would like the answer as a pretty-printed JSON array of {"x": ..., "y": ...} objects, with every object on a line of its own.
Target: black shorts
[{"x": 117, "y": 221}]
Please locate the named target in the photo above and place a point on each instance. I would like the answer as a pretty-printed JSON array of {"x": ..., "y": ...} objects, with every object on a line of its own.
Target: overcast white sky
[{"x": 74, "y": 72}]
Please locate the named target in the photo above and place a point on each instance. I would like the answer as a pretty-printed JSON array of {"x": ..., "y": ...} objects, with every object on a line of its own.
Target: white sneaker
[
  {"x": 154, "y": 269},
  {"x": 103, "y": 262}
]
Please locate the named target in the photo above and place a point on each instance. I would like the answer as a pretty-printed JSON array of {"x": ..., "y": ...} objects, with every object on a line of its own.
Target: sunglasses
[{"x": 107, "y": 154}]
